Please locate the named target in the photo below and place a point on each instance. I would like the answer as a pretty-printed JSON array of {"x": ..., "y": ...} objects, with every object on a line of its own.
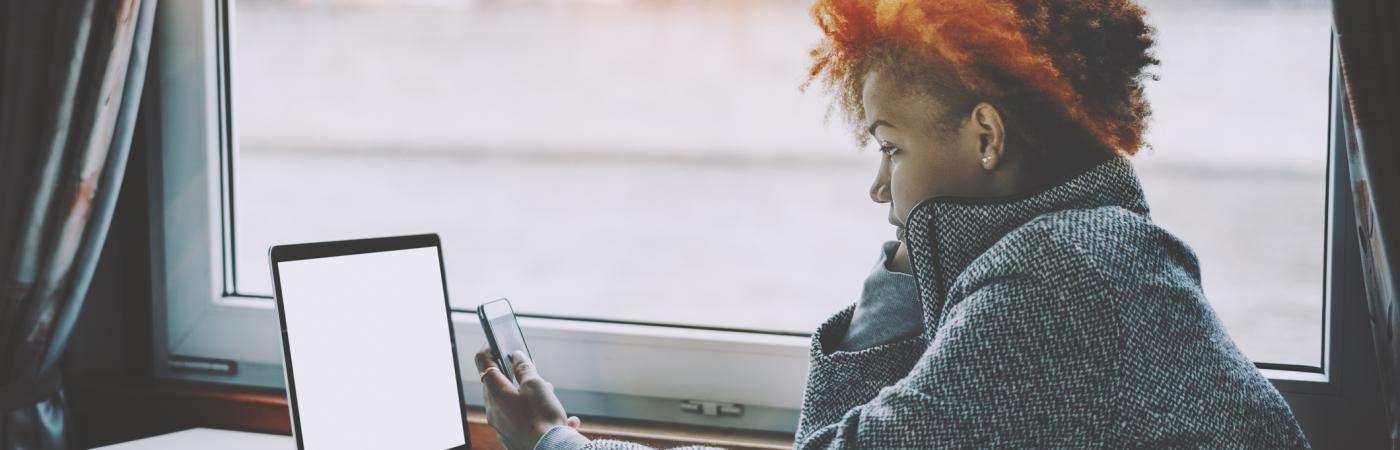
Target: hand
[
  {"x": 900, "y": 262},
  {"x": 521, "y": 414}
]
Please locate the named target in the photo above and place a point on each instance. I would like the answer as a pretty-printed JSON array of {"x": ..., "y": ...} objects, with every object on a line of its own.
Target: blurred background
[{"x": 654, "y": 160}]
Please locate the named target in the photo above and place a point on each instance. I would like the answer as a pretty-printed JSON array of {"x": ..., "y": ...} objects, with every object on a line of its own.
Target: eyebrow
[{"x": 878, "y": 124}]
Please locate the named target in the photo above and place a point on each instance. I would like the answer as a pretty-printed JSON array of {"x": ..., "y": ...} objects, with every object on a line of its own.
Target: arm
[
  {"x": 1023, "y": 361},
  {"x": 1026, "y": 359},
  {"x": 989, "y": 360},
  {"x": 885, "y": 321}
]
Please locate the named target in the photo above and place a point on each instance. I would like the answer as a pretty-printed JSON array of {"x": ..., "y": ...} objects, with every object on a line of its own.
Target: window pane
[
  {"x": 654, "y": 161},
  {"x": 1239, "y": 169}
]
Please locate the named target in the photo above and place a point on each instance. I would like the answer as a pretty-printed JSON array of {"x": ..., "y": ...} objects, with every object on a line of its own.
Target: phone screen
[{"x": 503, "y": 334}]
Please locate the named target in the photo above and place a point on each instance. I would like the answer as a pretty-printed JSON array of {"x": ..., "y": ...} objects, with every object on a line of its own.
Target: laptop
[{"x": 368, "y": 349}]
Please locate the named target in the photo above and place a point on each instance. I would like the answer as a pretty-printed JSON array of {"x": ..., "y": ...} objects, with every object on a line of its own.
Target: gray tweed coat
[{"x": 1061, "y": 319}]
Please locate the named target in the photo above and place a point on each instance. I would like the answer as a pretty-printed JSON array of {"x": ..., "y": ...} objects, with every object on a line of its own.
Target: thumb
[
  {"x": 522, "y": 365},
  {"x": 573, "y": 422}
]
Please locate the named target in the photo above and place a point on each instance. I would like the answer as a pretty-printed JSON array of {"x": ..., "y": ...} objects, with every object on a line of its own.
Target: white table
[{"x": 208, "y": 439}]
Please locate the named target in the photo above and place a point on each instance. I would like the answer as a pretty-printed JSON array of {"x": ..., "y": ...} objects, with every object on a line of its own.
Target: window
[
  {"x": 649, "y": 162},
  {"x": 655, "y": 162},
  {"x": 636, "y": 174}
]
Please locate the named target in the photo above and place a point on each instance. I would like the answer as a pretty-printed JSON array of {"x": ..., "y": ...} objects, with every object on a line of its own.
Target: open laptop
[{"x": 368, "y": 349}]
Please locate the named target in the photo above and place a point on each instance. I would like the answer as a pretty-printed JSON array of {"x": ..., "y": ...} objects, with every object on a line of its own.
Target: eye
[{"x": 888, "y": 149}]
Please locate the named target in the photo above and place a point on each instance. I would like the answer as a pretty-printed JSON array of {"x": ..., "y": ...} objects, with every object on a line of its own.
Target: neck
[{"x": 1037, "y": 171}]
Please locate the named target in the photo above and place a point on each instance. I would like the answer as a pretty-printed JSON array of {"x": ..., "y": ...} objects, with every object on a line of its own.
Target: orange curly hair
[{"x": 1044, "y": 63}]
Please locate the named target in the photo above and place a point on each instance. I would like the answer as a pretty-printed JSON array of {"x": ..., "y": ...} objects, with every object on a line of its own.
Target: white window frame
[{"x": 204, "y": 333}]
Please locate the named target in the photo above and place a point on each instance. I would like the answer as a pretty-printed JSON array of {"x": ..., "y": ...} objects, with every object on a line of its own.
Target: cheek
[
  {"x": 914, "y": 180},
  {"x": 910, "y": 183}
]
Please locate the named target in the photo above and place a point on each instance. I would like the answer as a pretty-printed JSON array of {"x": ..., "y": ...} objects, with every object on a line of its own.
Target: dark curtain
[
  {"x": 71, "y": 75},
  {"x": 1368, "y": 40}
]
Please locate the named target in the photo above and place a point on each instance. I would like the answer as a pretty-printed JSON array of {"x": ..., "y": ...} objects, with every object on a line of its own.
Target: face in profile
[{"x": 932, "y": 149}]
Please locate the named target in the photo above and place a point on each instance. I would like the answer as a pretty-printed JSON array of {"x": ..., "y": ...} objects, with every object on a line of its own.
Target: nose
[{"x": 880, "y": 189}]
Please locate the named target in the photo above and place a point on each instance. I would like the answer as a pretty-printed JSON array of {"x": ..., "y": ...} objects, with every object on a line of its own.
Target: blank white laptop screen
[{"x": 369, "y": 351}]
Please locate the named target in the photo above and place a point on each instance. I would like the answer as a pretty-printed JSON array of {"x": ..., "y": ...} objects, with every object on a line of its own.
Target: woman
[{"x": 1045, "y": 309}]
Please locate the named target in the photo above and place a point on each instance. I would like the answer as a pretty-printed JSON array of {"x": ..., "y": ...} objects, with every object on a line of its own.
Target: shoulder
[
  {"x": 1108, "y": 246},
  {"x": 1104, "y": 235}
]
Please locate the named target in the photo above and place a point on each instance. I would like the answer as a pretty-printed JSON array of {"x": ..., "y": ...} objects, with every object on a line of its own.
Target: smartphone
[{"x": 502, "y": 333}]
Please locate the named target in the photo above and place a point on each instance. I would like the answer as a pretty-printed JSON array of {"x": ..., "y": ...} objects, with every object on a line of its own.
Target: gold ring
[{"x": 482, "y": 377}]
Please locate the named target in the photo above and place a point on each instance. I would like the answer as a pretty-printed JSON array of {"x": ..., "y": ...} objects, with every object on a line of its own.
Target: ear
[{"x": 991, "y": 135}]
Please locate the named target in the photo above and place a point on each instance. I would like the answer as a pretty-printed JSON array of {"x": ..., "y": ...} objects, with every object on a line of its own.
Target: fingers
[
  {"x": 484, "y": 359},
  {"x": 494, "y": 381},
  {"x": 497, "y": 383},
  {"x": 523, "y": 366}
]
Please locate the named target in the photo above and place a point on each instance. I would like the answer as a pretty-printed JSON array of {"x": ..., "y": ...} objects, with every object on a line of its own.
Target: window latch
[
  {"x": 202, "y": 365},
  {"x": 712, "y": 409}
]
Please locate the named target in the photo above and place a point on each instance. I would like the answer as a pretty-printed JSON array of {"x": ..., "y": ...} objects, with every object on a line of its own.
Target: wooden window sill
[{"x": 107, "y": 413}]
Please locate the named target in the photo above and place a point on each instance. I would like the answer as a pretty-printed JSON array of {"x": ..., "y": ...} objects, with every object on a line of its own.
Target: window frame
[{"x": 203, "y": 330}]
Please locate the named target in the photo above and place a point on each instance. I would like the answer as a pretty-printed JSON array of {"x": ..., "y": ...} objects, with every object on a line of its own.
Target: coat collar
[{"x": 945, "y": 234}]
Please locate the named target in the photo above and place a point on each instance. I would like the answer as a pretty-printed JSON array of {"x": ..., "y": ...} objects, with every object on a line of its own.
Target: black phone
[{"x": 502, "y": 333}]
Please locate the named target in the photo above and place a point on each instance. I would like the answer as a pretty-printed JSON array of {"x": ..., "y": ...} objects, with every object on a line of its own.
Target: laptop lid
[{"x": 368, "y": 349}]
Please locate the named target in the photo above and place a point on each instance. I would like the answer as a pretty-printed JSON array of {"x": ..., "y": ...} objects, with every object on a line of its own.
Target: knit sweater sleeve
[{"x": 888, "y": 309}]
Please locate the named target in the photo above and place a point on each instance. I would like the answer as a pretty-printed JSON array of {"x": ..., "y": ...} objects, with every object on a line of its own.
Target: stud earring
[{"x": 987, "y": 161}]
